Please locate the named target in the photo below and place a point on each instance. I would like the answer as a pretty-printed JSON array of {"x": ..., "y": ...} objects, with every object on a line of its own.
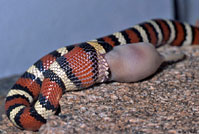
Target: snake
[{"x": 36, "y": 94}]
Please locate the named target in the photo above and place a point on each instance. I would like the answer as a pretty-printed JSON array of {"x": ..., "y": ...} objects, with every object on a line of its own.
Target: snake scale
[{"x": 36, "y": 94}]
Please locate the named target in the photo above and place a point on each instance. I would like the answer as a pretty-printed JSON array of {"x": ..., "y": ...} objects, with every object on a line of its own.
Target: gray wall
[
  {"x": 30, "y": 29},
  {"x": 188, "y": 10}
]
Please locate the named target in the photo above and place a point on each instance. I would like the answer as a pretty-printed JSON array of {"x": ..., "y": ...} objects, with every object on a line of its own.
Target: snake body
[{"x": 36, "y": 94}]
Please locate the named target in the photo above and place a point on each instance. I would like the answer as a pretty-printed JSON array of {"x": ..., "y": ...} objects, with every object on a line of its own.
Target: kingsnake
[{"x": 36, "y": 94}]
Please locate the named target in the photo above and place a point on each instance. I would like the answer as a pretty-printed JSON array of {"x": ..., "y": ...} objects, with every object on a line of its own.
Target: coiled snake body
[{"x": 36, "y": 94}]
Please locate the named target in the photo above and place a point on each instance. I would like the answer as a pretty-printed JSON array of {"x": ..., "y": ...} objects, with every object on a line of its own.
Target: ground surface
[{"x": 167, "y": 102}]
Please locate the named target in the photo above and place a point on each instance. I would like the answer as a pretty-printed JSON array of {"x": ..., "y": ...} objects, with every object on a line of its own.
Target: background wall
[
  {"x": 188, "y": 10},
  {"x": 31, "y": 29}
]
